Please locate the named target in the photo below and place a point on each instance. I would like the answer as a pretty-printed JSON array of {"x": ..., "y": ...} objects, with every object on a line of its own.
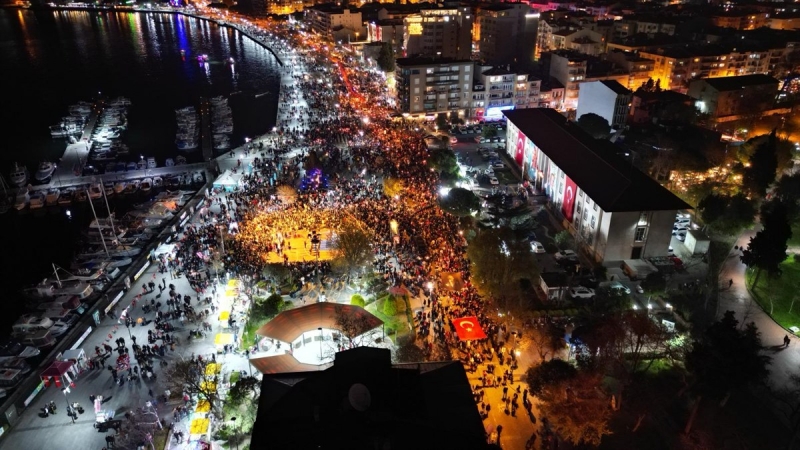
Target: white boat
[
  {"x": 45, "y": 171},
  {"x": 22, "y": 199},
  {"x": 54, "y": 289},
  {"x": 141, "y": 165},
  {"x": 151, "y": 163},
  {"x": 113, "y": 261},
  {"x": 12, "y": 347},
  {"x": 146, "y": 185},
  {"x": 51, "y": 198},
  {"x": 19, "y": 175},
  {"x": 66, "y": 196},
  {"x": 36, "y": 200},
  {"x": 120, "y": 250},
  {"x": 95, "y": 191},
  {"x": 158, "y": 182}
]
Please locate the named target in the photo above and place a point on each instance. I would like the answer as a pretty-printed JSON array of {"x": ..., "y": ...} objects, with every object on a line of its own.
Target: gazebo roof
[
  {"x": 290, "y": 324},
  {"x": 284, "y": 364},
  {"x": 57, "y": 369}
]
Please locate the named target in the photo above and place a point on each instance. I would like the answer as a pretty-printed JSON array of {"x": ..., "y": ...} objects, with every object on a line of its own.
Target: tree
[
  {"x": 357, "y": 300},
  {"x": 386, "y": 58},
  {"x": 353, "y": 246},
  {"x": 725, "y": 358},
  {"x": 650, "y": 86},
  {"x": 460, "y": 202},
  {"x": 286, "y": 194},
  {"x": 393, "y": 186},
  {"x": 763, "y": 167},
  {"x": 577, "y": 410},
  {"x": 549, "y": 374},
  {"x": 443, "y": 160},
  {"x": 562, "y": 239},
  {"x": 267, "y": 307},
  {"x": 502, "y": 266},
  {"x": 595, "y": 125},
  {"x": 441, "y": 121},
  {"x": 190, "y": 376},
  {"x": 389, "y": 306},
  {"x": 352, "y": 326},
  {"x": 489, "y": 132},
  {"x": 654, "y": 282},
  {"x": 727, "y": 214},
  {"x": 767, "y": 249},
  {"x": 548, "y": 340},
  {"x": 789, "y": 397},
  {"x": 788, "y": 191}
]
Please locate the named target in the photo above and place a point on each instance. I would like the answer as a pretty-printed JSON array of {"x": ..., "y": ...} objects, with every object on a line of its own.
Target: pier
[{"x": 206, "y": 137}]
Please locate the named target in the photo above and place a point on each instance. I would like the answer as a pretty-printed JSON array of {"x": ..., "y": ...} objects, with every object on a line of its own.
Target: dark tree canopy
[
  {"x": 595, "y": 125},
  {"x": 460, "y": 202},
  {"x": 727, "y": 357},
  {"x": 763, "y": 167},
  {"x": 549, "y": 374},
  {"x": 767, "y": 249},
  {"x": 443, "y": 160},
  {"x": 386, "y": 58},
  {"x": 727, "y": 214}
]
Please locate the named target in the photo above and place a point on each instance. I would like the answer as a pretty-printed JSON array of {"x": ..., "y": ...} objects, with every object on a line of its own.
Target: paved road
[{"x": 785, "y": 361}]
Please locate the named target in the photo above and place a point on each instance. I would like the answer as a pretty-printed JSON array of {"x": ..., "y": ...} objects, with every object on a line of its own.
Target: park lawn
[
  {"x": 249, "y": 333},
  {"x": 396, "y": 322},
  {"x": 780, "y": 290}
]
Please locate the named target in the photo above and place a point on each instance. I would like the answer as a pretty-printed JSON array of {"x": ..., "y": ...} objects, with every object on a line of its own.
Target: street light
[
  {"x": 70, "y": 413},
  {"x": 320, "y": 344}
]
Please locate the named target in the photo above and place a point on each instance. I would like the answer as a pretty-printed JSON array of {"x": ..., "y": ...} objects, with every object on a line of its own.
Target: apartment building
[
  {"x": 431, "y": 85},
  {"x": 639, "y": 69},
  {"x": 741, "y": 20},
  {"x": 499, "y": 89},
  {"x": 505, "y": 33},
  {"x": 675, "y": 67},
  {"x": 606, "y": 98},
  {"x": 644, "y": 25},
  {"x": 730, "y": 97},
  {"x": 335, "y": 23},
  {"x": 615, "y": 211},
  {"x": 391, "y": 31},
  {"x": 571, "y": 69},
  {"x": 443, "y": 32}
]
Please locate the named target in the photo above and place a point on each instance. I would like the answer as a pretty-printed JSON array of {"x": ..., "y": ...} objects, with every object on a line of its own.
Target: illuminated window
[{"x": 641, "y": 233}]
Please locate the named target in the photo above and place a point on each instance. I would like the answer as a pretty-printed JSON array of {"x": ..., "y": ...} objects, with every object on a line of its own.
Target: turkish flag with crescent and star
[
  {"x": 568, "y": 204},
  {"x": 469, "y": 329},
  {"x": 520, "y": 154}
]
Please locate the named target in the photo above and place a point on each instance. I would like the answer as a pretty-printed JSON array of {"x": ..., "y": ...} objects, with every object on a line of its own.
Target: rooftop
[
  {"x": 592, "y": 164},
  {"x": 616, "y": 87},
  {"x": 365, "y": 402},
  {"x": 724, "y": 84},
  {"x": 428, "y": 61},
  {"x": 292, "y": 323}
]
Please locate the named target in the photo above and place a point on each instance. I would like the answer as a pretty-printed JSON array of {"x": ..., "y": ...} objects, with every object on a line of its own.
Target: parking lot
[{"x": 486, "y": 163}]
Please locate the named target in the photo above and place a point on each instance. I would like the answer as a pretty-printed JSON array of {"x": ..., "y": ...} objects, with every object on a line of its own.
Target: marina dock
[{"x": 206, "y": 137}]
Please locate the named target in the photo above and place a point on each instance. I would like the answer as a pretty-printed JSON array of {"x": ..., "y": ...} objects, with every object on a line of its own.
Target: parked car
[
  {"x": 565, "y": 254},
  {"x": 494, "y": 181},
  {"x": 489, "y": 171},
  {"x": 678, "y": 228},
  {"x": 680, "y": 235},
  {"x": 581, "y": 292},
  {"x": 498, "y": 165},
  {"x": 453, "y": 140},
  {"x": 616, "y": 288},
  {"x": 537, "y": 247}
]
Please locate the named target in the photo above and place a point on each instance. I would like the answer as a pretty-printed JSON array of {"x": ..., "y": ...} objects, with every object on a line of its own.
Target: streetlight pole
[
  {"x": 320, "y": 344},
  {"x": 69, "y": 409}
]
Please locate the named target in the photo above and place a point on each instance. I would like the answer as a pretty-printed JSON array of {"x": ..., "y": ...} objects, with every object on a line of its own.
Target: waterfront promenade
[{"x": 33, "y": 432}]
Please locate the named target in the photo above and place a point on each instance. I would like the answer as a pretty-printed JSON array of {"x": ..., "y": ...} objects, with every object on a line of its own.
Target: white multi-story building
[
  {"x": 430, "y": 85},
  {"x": 497, "y": 89},
  {"x": 615, "y": 211},
  {"x": 606, "y": 98}
]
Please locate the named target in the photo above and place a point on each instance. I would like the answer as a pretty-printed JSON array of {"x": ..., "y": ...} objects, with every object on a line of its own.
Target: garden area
[{"x": 779, "y": 296}]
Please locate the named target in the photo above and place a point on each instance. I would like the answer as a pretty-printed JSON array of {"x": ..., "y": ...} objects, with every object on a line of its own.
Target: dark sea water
[{"x": 51, "y": 59}]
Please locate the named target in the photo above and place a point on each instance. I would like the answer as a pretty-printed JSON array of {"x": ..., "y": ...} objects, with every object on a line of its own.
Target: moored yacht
[
  {"x": 19, "y": 175},
  {"x": 22, "y": 199},
  {"x": 45, "y": 171}
]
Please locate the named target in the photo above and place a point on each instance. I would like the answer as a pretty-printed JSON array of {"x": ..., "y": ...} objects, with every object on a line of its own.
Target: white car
[
  {"x": 537, "y": 247},
  {"x": 678, "y": 229},
  {"x": 565, "y": 254},
  {"x": 581, "y": 292},
  {"x": 494, "y": 180},
  {"x": 489, "y": 171},
  {"x": 58, "y": 328},
  {"x": 680, "y": 235},
  {"x": 498, "y": 165}
]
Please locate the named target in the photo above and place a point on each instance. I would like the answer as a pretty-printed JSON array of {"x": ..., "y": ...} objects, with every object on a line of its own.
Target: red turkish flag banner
[
  {"x": 469, "y": 329},
  {"x": 519, "y": 155},
  {"x": 568, "y": 203}
]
